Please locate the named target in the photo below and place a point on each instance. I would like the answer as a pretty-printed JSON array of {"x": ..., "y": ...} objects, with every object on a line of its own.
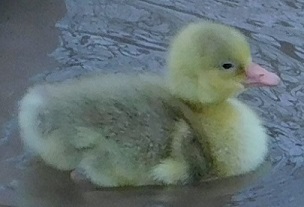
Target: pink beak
[{"x": 258, "y": 76}]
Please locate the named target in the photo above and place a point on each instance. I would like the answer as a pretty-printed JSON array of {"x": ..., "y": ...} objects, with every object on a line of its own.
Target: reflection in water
[
  {"x": 44, "y": 186},
  {"x": 111, "y": 36}
]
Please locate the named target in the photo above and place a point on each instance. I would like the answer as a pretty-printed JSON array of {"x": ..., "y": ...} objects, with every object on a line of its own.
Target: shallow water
[{"x": 111, "y": 36}]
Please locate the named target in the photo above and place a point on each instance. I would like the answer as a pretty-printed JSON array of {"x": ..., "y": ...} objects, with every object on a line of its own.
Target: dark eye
[{"x": 228, "y": 66}]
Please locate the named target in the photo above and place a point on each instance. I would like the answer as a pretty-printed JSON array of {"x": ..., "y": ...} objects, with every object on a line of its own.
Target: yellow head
[{"x": 208, "y": 63}]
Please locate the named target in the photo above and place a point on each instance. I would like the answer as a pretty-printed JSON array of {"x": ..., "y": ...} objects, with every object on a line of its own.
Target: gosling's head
[{"x": 210, "y": 62}]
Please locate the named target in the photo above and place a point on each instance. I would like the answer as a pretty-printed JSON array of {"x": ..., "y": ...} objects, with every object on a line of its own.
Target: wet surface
[{"x": 111, "y": 36}]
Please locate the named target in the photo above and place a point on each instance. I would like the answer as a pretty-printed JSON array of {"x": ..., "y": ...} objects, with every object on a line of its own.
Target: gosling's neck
[{"x": 202, "y": 107}]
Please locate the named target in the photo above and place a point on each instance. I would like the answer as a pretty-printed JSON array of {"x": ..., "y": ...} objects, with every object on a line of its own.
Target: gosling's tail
[{"x": 30, "y": 106}]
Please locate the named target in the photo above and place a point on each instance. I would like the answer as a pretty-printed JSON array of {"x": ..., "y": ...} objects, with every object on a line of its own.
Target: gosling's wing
[{"x": 130, "y": 112}]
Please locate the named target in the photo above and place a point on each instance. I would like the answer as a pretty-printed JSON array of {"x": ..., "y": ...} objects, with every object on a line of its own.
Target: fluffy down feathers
[{"x": 144, "y": 129}]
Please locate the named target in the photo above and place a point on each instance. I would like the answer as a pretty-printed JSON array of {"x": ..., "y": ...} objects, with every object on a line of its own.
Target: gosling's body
[
  {"x": 238, "y": 141},
  {"x": 119, "y": 129},
  {"x": 123, "y": 130}
]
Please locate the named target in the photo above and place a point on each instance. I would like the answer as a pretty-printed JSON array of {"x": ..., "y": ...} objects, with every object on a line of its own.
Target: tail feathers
[{"x": 29, "y": 108}]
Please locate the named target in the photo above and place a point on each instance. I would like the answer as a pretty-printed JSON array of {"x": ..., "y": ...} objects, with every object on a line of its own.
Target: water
[{"x": 117, "y": 35}]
